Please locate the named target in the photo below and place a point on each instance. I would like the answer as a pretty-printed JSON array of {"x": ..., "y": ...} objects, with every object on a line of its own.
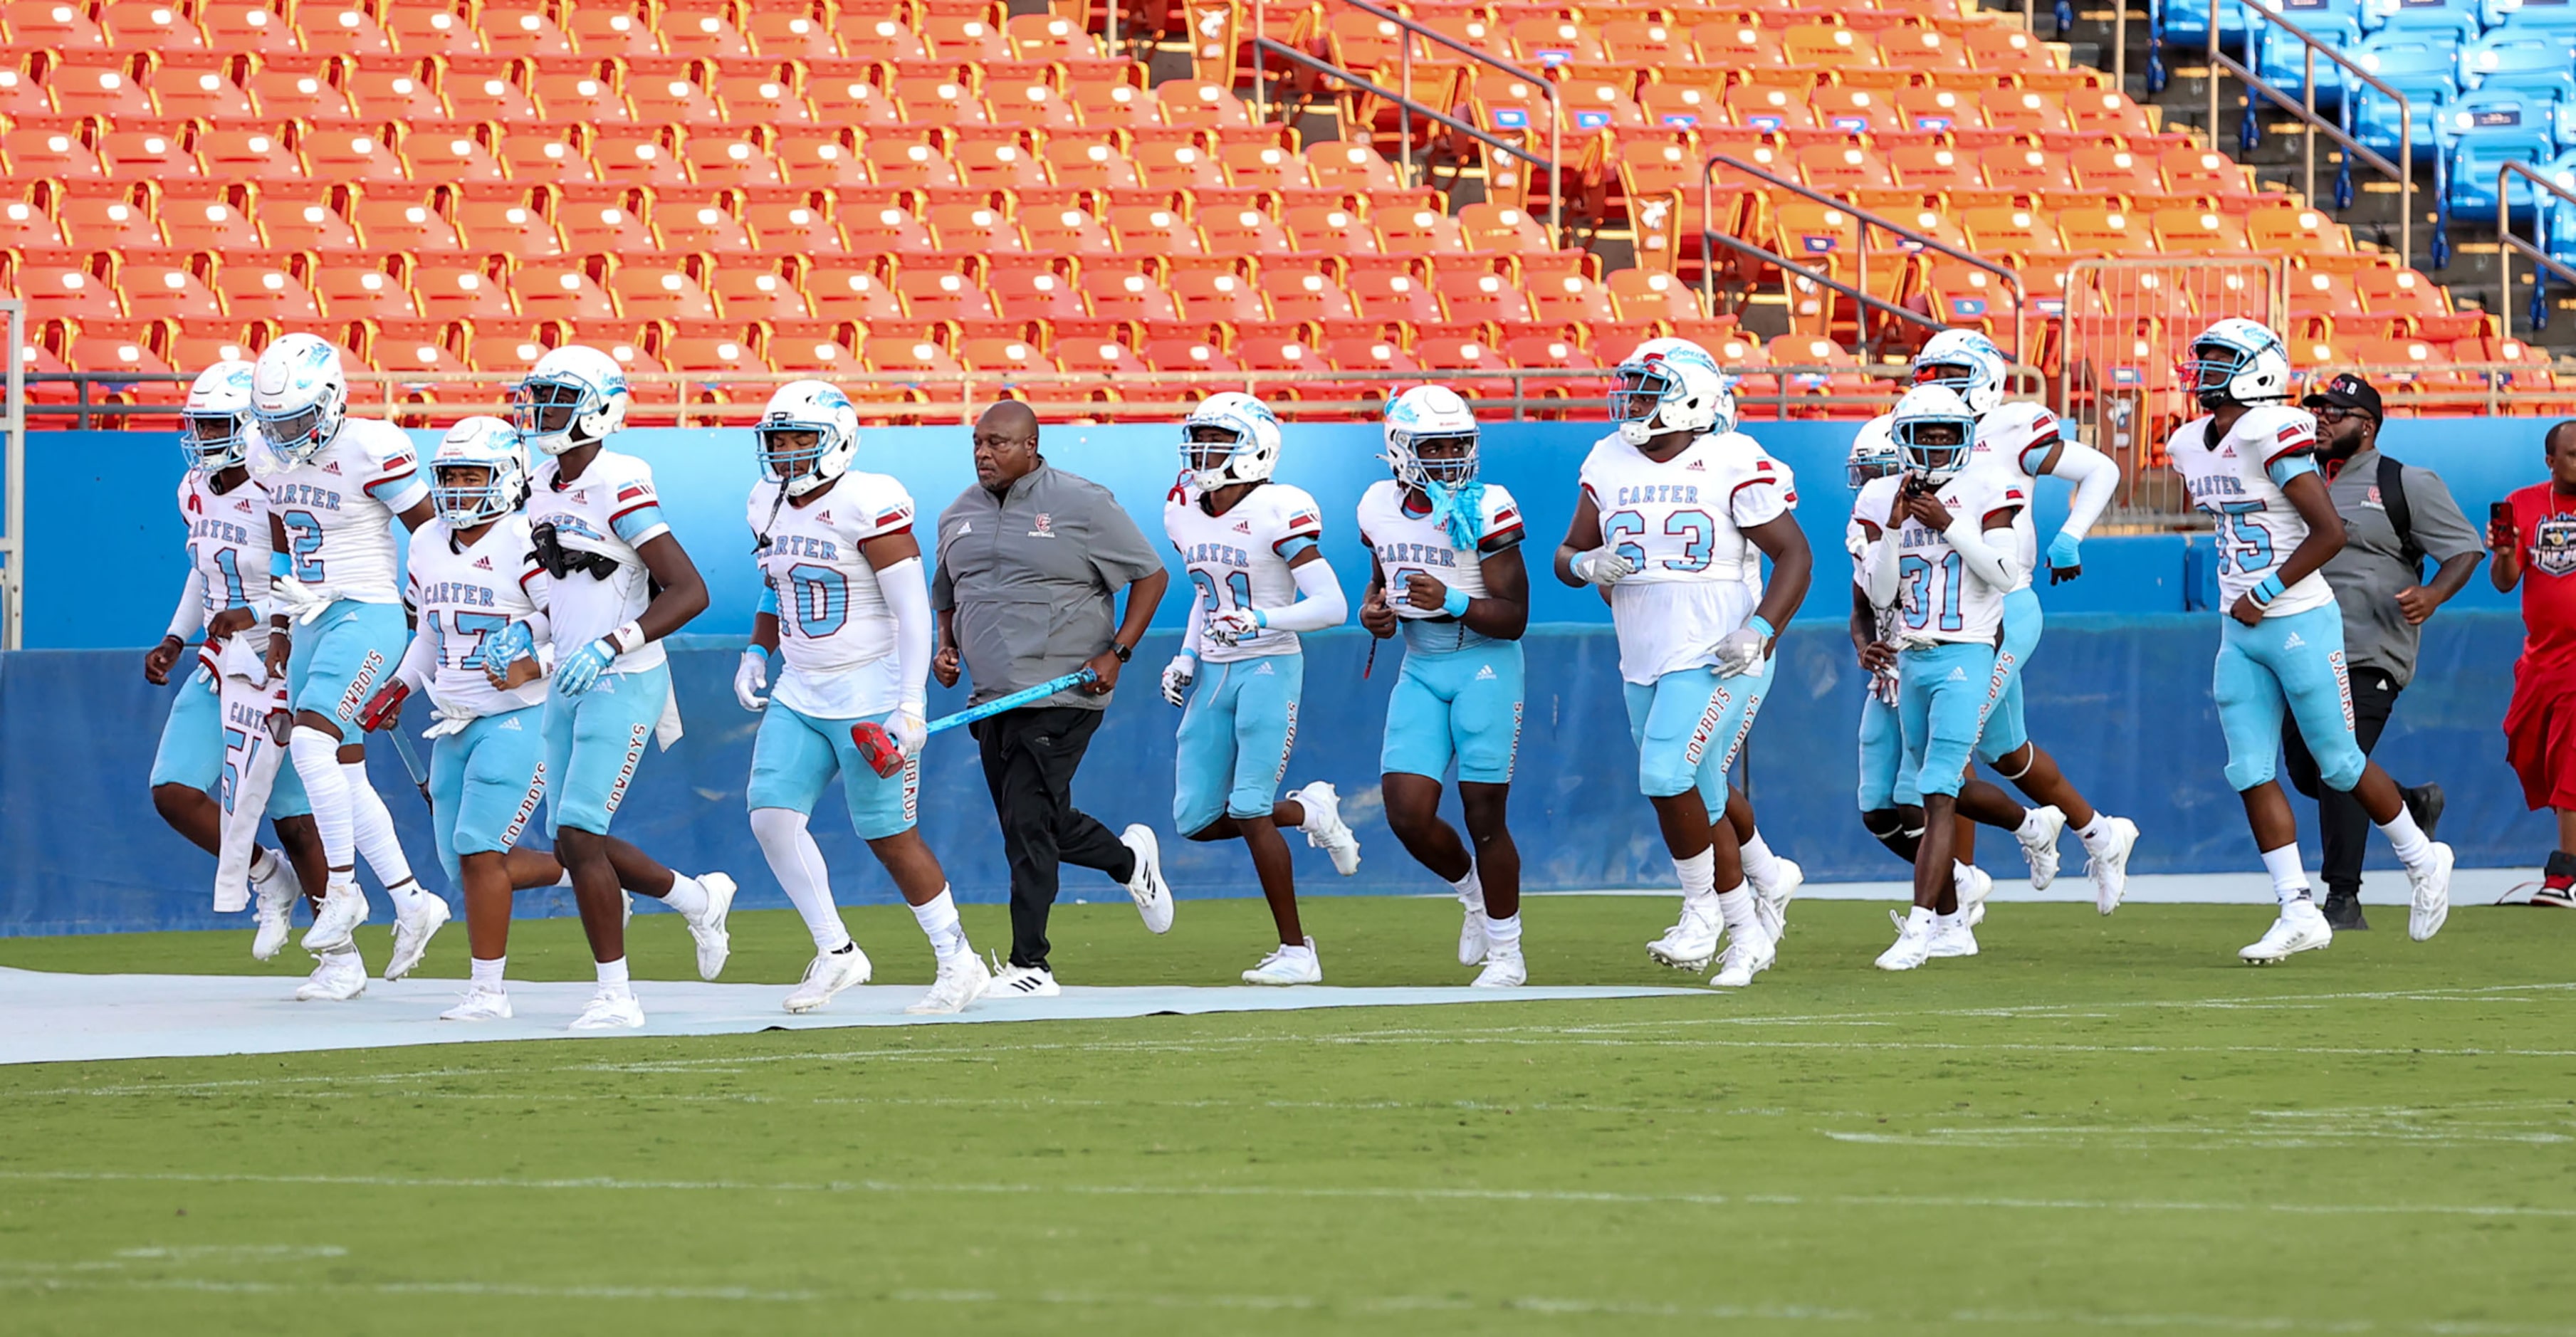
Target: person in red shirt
[{"x": 2533, "y": 533}]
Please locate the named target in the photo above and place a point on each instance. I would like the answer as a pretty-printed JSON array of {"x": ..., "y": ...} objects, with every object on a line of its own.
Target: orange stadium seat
[
  {"x": 2195, "y": 231},
  {"x": 424, "y": 28},
  {"x": 557, "y": 288},
  {"x": 1129, "y": 296},
  {"x": 782, "y": 35},
  {"x": 1306, "y": 295},
  {"x": 845, "y": 289},
  {"x": 1388, "y": 296},
  {"x": 577, "y": 93},
  {"x": 521, "y": 28},
  {"x": 1036, "y": 294},
  {"x": 100, "y": 86},
  {"x": 24, "y": 226},
  {"x": 198, "y": 87},
  {"x": 1074, "y": 233},
  {"x": 266, "y": 292},
  {"x": 208, "y": 224},
  {"x": 51, "y": 153},
  {"x": 246, "y": 27},
  {"x": 114, "y": 221},
  {"x": 1216, "y": 295},
  {"x": 368, "y": 293},
  {"x": 2286, "y": 225},
  {"x": 1243, "y": 232}
]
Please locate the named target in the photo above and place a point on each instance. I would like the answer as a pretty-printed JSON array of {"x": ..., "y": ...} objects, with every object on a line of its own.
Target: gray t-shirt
[
  {"x": 1033, "y": 576},
  {"x": 2369, "y": 572}
]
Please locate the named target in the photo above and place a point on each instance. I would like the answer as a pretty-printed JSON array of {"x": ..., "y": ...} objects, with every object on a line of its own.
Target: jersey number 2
[{"x": 303, "y": 542}]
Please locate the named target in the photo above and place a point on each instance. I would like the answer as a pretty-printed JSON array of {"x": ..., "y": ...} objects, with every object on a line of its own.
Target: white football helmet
[
  {"x": 1677, "y": 391},
  {"x": 806, "y": 436},
  {"x": 1873, "y": 451},
  {"x": 1424, "y": 415},
  {"x": 486, "y": 443},
  {"x": 1934, "y": 430},
  {"x": 2238, "y": 361},
  {"x": 1247, "y": 451},
  {"x": 298, "y": 395},
  {"x": 215, "y": 427},
  {"x": 573, "y": 396},
  {"x": 1968, "y": 364}
]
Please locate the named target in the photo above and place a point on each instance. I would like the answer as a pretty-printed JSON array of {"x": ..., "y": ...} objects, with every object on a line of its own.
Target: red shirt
[{"x": 2544, "y": 523}]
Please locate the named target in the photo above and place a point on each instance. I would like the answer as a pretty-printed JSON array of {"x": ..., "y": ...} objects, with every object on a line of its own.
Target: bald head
[{"x": 1006, "y": 445}]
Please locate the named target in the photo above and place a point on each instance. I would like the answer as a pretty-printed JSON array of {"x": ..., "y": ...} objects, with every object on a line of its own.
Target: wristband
[
  {"x": 628, "y": 639},
  {"x": 750, "y": 650},
  {"x": 1259, "y": 618},
  {"x": 1455, "y": 602},
  {"x": 2263, "y": 594},
  {"x": 1758, "y": 623}
]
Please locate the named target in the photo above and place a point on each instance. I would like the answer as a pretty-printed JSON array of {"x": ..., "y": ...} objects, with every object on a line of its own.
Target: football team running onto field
[{"x": 540, "y": 597}]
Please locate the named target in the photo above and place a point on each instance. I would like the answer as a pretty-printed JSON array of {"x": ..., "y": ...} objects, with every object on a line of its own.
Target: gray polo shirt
[
  {"x": 2369, "y": 572},
  {"x": 1033, "y": 576}
]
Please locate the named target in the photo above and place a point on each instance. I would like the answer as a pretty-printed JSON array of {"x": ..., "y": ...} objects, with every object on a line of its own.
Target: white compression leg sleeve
[
  {"x": 372, "y": 827},
  {"x": 317, "y": 764},
  {"x": 797, "y": 863}
]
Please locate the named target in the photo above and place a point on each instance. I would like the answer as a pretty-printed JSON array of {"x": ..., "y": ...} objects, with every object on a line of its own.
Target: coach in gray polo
[
  {"x": 1031, "y": 560},
  {"x": 2394, "y": 516}
]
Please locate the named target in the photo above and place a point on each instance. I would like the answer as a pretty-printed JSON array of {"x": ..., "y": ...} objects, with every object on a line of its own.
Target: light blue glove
[
  {"x": 2065, "y": 551},
  {"x": 580, "y": 670},
  {"x": 510, "y": 645}
]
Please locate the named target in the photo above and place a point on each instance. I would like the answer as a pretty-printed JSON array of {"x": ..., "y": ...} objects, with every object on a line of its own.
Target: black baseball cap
[{"x": 2348, "y": 391}]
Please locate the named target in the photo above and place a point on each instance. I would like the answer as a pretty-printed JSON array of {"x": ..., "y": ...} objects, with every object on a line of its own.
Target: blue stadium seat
[
  {"x": 2530, "y": 15},
  {"x": 2562, "y": 215},
  {"x": 2415, "y": 64},
  {"x": 2538, "y": 62},
  {"x": 2183, "y": 25},
  {"x": 2282, "y": 60},
  {"x": 2485, "y": 130},
  {"x": 2458, "y": 18}
]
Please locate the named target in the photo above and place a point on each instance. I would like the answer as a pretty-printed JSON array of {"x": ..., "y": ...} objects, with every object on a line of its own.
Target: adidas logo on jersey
[
  {"x": 331, "y": 466},
  {"x": 483, "y": 563},
  {"x": 1243, "y": 526},
  {"x": 1484, "y": 673},
  {"x": 2294, "y": 643},
  {"x": 1696, "y": 467},
  {"x": 824, "y": 519}
]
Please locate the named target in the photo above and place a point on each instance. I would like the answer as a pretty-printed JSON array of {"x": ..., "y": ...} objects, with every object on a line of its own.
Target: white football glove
[
  {"x": 749, "y": 677},
  {"x": 1177, "y": 677},
  {"x": 1234, "y": 625},
  {"x": 305, "y": 603},
  {"x": 1739, "y": 651},
  {"x": 1602, "y": 566},
  {"x": 911, "y": 732}
]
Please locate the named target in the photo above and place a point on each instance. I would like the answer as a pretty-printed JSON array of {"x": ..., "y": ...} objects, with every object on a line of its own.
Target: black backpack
[{"x": 2401, "y": 516}]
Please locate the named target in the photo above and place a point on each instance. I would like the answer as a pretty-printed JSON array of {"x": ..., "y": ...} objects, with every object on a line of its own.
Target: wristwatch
[{"x": 1123, "y": 652}]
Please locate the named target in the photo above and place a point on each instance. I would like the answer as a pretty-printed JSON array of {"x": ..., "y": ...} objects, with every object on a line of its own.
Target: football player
[
  {"x": 844, "y": 603},
  {"x": 1445, "y": 567},
  {"x": 2250, "y": 465},
  {"x": 1249, "y": 545},
  {"x": 1676, "y": 505}
]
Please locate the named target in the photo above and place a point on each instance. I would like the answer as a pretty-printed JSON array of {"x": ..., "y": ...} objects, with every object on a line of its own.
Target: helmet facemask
[
  {"x": 214, "y": 441},
  {"x": 2212, "y": 370},
  {"x": 1637, "y": 394},
  {"x": 299, "y": 434},
  {"x": 469, "y": 494},
  {"x": 1935, "y": 448},
  {"x": 548, "y": 408},
  {"x": 1446, "y": 458},
  {"x": 1205, "y": 449}
]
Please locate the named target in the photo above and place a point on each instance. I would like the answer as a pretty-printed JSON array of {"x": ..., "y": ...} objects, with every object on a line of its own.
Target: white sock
[
  {"x": 612, "y": 976},
  {"x": 1503, "y": 935},
  {"x": 797, "y": 863},
  {"x": 487, "y": 974},
  {"x": 1920, "y": 919},
  {"x": 1761, "y": 866},
  {"x": 2406, "y": 838},
  {"x": 264, "y": 864},
  {"x": 2094, "y": 832},
  {"x": 938, "y": 919},
  {"x": 372, "y": 827},
  {"x": 1735, "y": 905},
  {"x": 1298, "y": 952},
  {"x": 1470, "y": 888},
  {"x": 686, "y": 896},
  {"x": 1962, "y": 875},
  {"x": 1946, "y": 923},
  {"x": 2289, "y": 880},
  {"x": 317, "y": 763},
  {"x": 1698, "y": 874}
]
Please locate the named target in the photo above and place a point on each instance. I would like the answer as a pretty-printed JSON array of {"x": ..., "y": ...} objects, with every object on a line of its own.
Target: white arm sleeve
[
  {"x": 1323, "y": 605},
  {"x": 908, "y": 594},
  {"x": 1990, "y": 563},
  {"x": 419, "y": 661},
  {"x": 2095, "y": 476},
  {"x": 1882, "y": 573},
  {"x": 190, "y": 616},
  {"x": 1191, "y": 637}
]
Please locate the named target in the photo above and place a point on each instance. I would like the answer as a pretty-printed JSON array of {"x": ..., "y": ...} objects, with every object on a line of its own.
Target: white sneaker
[
  {"x": 2040, "y": 846},
  {"x": 2109, "y": 865},
  {"x": 1747, "y": 955},
  {"x": 343, "y": 909},
  {"x": 714, "y": 943},
  {"x": 1692, "y": 941},
  {"x": 276, "y": 905},
  {"x": 1771, "y": 903},
  {"x": 1974, "y": 885},
  {"x": 1324, "y": 829},
  {"x": 1285, "y": 967},
  {"x": 1022, "y": 982},
  {"x": 412, "y": 931},
  {"x": 827, "y": 974},
  {"x": 480, "y": 1004},
  {"x": 336, "y": 978},
  {"x": 610, "y": 1012},
  {"x": 1913, "y": 945},
  {"x": 1959, "y": 939},
  {"x": 1146, "y": 887},
  {"x": 963, "y": 978},
  {"x": 2432, "y": 894},
  {"x": 1504, "y": 969},
  {"x": 1472, "y": 947},
  {"x": 2302, "y": 927}
]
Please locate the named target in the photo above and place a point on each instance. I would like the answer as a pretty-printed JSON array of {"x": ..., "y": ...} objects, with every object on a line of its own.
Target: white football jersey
[
  {"x": 611, "y": 510},
  {"x": 339, "y": 508},
  {"x": 1939, "y": 598},
  {"x": 1681, "y": 522},
  {"x": 1405, "y": 541},
  {"x": 228, "y": 544},
  {"x": 2013, "y": 441},
  {"x": 835, "y": 631},
  {"x": 2257, "y": 526},
  {"x": 1240, "y": 559},
  {"x": 466, "y": 597}
]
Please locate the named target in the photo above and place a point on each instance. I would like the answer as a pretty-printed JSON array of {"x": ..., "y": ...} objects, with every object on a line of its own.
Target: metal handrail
[
  {"x": 1707, "y": 202},
  {"x": 13, "y": 513},
  {"x": 1818, "y": 277},
  {"x": 1555, "y": 100},
  {"x": 2306, "y": 108},
  {"x": 2507, "y": 244}
]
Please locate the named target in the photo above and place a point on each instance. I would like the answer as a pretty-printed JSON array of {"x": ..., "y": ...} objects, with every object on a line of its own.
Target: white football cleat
[
  {"x": 962, "y": 979},
  {"x": 1472, "y": 947},
  {"x": 343, "y": 909},
  {"x": 1691, "y": 943},
  {"x": 268, "y": 936},
  {"x": 1021, "y": 982},
  {"x": 1974, "y": 884},
  {"x": 1913, "y": 945},
  {"x": 413, "y": 931},
  {"x": 1771, "y": 903},
  {"x": 1152, "y": 895},
  {"x": 1285, "y": 967},
  {"x": 1747, "y": 955},
  {"x": 827, "y": 974},
  {"x": 480, "y": 1004},
  {"x": 2109, "y": 866},
  {"x": 1959, "y": 939},
  {"x": 336, "y": 978},
  {"x": 708, "y": 930},
  {"x": 1324, "y": 829},
  {"x": 610, "y": 1012},
  {"x": 2040, "y": 846},
  {"x": 2432, "y": 894},
  {"x": 1503, "y": 970},
  {"x": 2302, "y": 927}
]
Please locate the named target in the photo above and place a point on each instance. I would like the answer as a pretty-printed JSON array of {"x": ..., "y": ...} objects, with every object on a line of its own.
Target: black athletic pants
[
  {"x": 1030, "y": 756},
  {"x": 2342, "y": 827}
]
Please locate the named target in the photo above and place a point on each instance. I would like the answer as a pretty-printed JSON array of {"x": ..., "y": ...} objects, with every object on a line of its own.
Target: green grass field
[{"x": 2100, "y": 1124}]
